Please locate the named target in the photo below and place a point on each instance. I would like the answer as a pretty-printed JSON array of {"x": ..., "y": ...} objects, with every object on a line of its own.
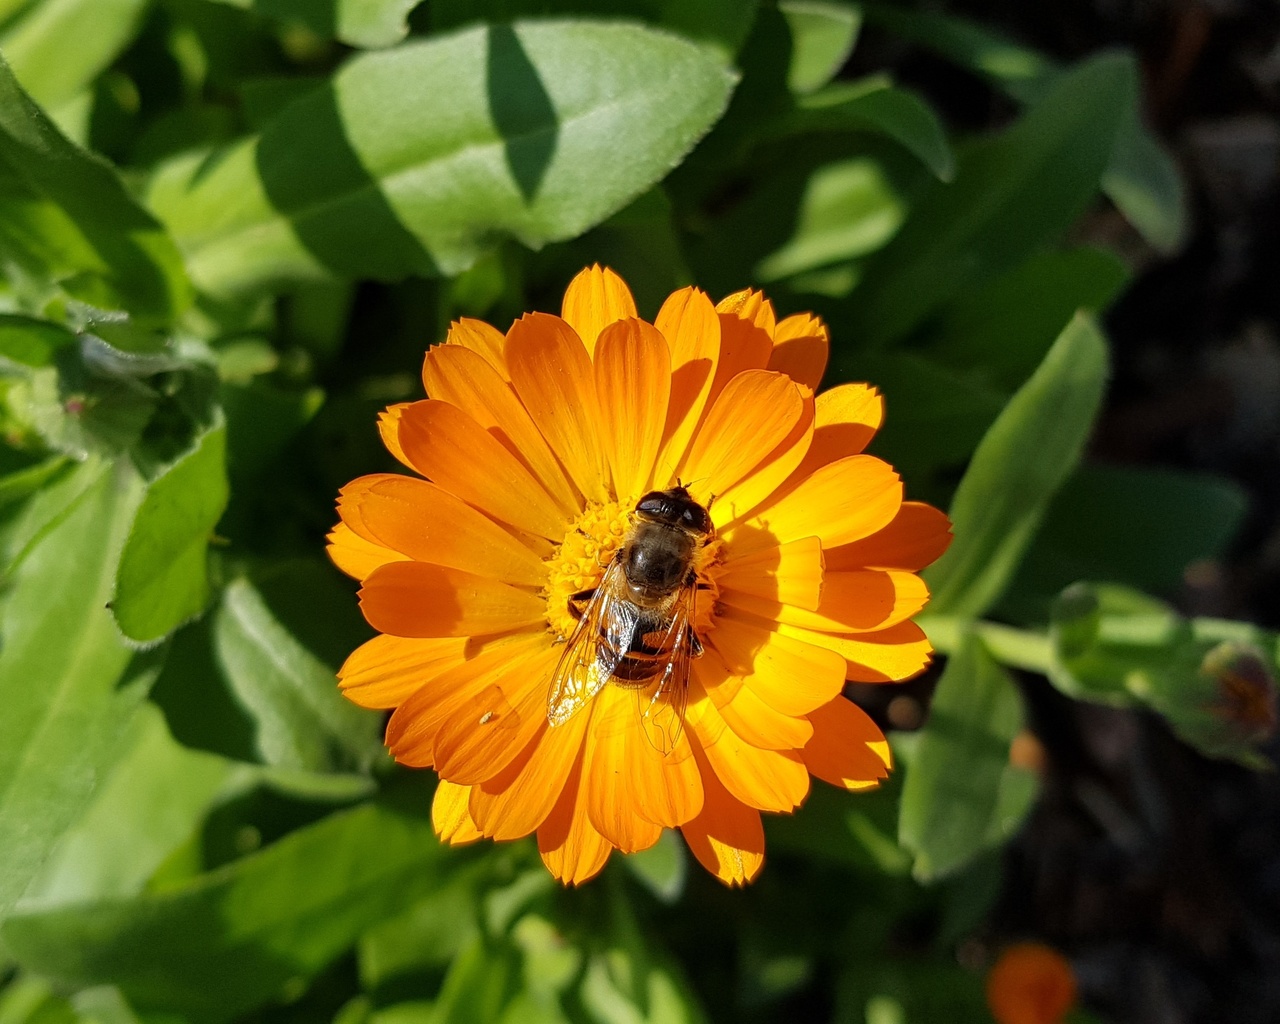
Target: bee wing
[
  {"x": 661, "y": 706},
  {"x": 602, "y": 637}
]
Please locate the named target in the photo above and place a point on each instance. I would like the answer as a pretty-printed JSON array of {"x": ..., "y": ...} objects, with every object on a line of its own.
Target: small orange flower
[
  {"x": 1031, "y": 983},
  {"x": 531, "y": 454}
]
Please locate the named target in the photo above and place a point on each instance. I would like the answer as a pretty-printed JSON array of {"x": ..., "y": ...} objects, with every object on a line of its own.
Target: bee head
[{"x": 675, "y": 508}]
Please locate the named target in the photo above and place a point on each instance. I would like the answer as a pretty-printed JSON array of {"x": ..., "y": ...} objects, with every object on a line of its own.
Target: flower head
[
  {"x": 1031, "y": 983},
  {"x": 530, "y": 456}
]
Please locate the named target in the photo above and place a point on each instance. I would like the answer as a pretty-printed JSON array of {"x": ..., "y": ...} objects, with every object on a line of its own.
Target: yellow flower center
[{"x": 589, "y": 546}]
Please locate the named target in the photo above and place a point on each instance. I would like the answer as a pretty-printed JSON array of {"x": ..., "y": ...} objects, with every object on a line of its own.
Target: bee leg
[
  {"x": 578, "y": 603},
  {"x": 695, "y": 645}
]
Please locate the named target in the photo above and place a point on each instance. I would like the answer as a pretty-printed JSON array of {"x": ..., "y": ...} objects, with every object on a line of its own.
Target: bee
[{"x": 635, "y": 628}]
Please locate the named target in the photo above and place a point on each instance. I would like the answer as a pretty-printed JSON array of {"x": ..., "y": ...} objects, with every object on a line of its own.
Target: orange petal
[
  {"x": 389, "y": 430},
  {"x": 571, "y": 848},
  {"x": 789, "y": 674},
  {"x": 449, "y": 447},
  {"x": 633, "y": 384},
  {"x": 489, "y": 731},
  {"x": 766, "y": 480},
  {"x": 847, "y": 419},
  {"x": 385, "y": 671},
  {"x": 801, "y": 346},
  {"x": 848, "y": 749},
  {"x": 412, "y": 729},
  {"x": 419, "y": 599},
  {"x": 769, "y": 780},
  {"x": 760, "y": 724},
  {"x": 449, "y": 815},
  {"x": 888, "y": 656},
  {"x": 518, "y": 799},
  {"x": 859, "y": 601},
  {"x": 747, "y": 321},
  {"x": 355, "y": 555},
  {"x": 463, "y": 378},
  {"x": 623, "y": 771},
  {"x": 691, "y": 326},
  {"x": 916, "y": 536},
  {"x": 751, "y": 417},
  {"x": 596, "y": 298},
  {"x": 479, "y": 337},
  {"x": 552, "y": 374},
  {"x": 841, "y": 502},
  {"x": 429, "y": 524},
  {"x": 788, "y": 573},
  {"x": 727, "y": 836}
]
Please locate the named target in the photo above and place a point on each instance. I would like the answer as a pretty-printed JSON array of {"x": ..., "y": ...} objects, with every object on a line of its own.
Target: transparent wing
[
  {"x": 602, "y": 637},
  {"x": 661, "y": 705}
]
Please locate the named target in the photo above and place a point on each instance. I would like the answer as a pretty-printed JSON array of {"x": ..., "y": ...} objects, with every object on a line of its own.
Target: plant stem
[{"x": 1019, "y": 648}]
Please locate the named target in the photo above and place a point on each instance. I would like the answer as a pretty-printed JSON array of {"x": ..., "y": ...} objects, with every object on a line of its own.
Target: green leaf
[
  {"x": 300, "y": 720},
  {"x": 1012, "y": 195},
  {"x": 65, "y": 217},
  {"x": 368, "y": 24},
  {"x": 719, "y": 24},
  {"x": 1141, "y": 178},
  {"x": 25, "y": 341},
  {"x": 417, "y": 160},
  {"x": 938, "y": 415},
  {"x": 1003, "y": 329},
  {"x": 68, "y": 686},
  {"x": 1019, "y": 465},
  {"x": 662, "y": 868},
  {"x": 230, "y": 940},
  {"x": 954, "y": 791},
  {"x": 163, "y": 577},
  {"x": 875, "y": 105},
  {"x": 847, "y": 209},
  {"x": 58, "y": 47},
  {"x": 1170, "y": 519},
  {"x": 152, "y": 801},
  {"x": 822, "y": 37}
]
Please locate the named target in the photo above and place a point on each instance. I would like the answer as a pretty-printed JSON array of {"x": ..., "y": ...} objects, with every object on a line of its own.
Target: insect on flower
[
  {"x": 628, "y": 574},
  {"x": 637, "y": 627}
]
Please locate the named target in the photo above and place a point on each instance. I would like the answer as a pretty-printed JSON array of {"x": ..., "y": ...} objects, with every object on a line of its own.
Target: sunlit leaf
[
  {"x": 847, "y": 209},
  {"x": 1019, "y": 465},
  {"x": 721, "y": 24},
  {"x": 952, "y": 800},
  {"x": 416, "y": 160},
  {"x": 822, "y": 37},
  {"x": 364, "y": 23},
  {"x": 65, "y": 217},
  {"x": 152, "y": 801},
  {"x": 299, "y": 718},
  {"x": 1012, "y": 195},
  {"x": 58, "y": 47},
  {"x": 26, "y": 341},
  {"x": 163, "y": 577},
  {"x": 68, "y": 685},
  {"x": 230, "y": 940}
]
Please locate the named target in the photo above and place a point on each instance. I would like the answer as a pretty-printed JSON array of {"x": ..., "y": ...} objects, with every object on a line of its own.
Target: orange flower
[
  {"x": 531, "y": 455},
  {"x": 1031, "y": 983}
]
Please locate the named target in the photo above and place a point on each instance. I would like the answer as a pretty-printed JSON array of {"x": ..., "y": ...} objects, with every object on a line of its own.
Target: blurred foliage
[{"x": 229, "y": 229}]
